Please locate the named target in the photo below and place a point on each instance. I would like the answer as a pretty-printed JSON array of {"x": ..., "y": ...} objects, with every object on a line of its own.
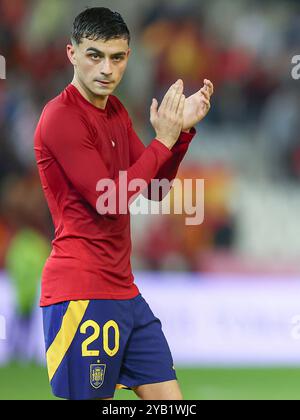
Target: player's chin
[{"x": 102, "y": 92}]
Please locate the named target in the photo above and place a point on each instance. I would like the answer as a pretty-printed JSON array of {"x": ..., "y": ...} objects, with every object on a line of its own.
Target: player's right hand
[{"x": 168, "y": 119}]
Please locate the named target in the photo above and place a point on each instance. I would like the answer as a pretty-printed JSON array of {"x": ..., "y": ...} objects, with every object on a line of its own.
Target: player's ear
[
  {"x": 128, "y": 52},
  {"x": 71, "y": 53}
]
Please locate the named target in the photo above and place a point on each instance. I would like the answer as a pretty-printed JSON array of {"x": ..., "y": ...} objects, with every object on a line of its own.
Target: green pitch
[{"x": 30, "y": 382}]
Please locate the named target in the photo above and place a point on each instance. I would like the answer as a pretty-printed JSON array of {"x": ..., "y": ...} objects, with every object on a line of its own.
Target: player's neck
[{"x": 97, "y": 101}]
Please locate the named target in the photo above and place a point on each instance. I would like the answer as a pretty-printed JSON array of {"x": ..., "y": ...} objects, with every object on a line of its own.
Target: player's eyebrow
[{"x": 93, "y": 49}]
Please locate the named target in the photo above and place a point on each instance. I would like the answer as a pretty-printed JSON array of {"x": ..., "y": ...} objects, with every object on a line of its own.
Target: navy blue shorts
[{"x": 96, "y": 346}]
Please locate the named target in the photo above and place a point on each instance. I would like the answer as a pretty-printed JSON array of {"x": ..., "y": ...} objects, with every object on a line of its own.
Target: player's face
[{"x": 100, "y": 65}]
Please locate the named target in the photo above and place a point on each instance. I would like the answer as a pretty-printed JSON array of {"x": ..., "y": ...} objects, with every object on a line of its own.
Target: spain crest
[{"x": 97, "y": 373}]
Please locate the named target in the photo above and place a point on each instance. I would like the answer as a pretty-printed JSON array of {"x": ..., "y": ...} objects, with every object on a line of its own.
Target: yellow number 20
[{"x": 95, "y": 335}]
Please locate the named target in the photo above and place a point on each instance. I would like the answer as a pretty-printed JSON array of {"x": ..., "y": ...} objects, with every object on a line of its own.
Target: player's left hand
[{"x": 197, "y": 106}]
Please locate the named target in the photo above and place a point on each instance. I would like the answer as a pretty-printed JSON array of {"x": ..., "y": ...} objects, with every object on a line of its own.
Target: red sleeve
[
  {"x": 67, "y": 136},
  {"x": 170, "y": 168}
]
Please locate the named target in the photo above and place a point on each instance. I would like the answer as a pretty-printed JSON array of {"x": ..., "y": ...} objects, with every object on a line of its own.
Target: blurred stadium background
[{"x": 227, "y": 291}]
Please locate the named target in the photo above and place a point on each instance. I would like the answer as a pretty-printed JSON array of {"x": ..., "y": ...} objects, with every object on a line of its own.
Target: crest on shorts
[{"x": 97, "y": 373}]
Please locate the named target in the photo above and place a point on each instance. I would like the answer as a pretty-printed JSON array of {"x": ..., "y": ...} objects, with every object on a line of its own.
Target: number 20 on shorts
[{"x": 95, "y": 335}]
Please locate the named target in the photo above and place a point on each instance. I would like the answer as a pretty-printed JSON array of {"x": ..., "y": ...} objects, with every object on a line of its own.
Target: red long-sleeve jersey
[{"x": 76, "y": 145}]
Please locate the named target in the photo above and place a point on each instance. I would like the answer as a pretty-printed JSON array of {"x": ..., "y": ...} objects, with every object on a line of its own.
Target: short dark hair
[{"x": 99, "y": 23}]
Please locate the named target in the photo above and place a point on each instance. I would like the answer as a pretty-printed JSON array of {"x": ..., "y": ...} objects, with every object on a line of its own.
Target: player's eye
[
  {"x": 118, "y": 58},
  {"x": 94, "y": 56}
]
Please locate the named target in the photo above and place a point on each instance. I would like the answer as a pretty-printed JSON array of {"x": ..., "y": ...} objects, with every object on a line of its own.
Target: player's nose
[{"x": 106, "y": 68}]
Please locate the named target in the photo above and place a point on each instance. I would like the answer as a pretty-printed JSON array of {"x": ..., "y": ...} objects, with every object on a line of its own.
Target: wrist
[
  {"x": 164, "y": 142},
  {"x": 187, "y": 130}
]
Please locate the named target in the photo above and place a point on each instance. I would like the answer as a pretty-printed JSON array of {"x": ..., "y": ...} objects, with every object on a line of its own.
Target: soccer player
[{"x": 100, "y": 333}]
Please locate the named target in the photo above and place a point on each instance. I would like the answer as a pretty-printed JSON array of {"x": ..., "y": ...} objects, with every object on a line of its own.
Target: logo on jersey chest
[{"x": 97, "y": 373}]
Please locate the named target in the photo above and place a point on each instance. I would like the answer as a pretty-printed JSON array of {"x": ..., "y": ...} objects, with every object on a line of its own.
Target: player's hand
[
  {"x": 197, "y": 106},
  {"x": 167, "y": 120}
]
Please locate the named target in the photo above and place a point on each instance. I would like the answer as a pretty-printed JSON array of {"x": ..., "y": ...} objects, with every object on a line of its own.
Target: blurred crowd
[{"x": 245, "y": 47}]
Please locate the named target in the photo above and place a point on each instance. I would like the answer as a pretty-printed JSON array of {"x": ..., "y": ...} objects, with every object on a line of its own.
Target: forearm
[{"x": 170, "y": 168}]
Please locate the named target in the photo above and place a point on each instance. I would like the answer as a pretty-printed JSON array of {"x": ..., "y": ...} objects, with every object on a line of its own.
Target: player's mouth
[{"x": 103, "y": 82}]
